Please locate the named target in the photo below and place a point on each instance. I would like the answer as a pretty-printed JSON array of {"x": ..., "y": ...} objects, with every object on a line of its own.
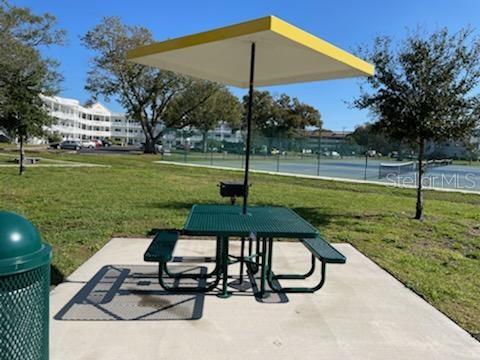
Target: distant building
[
  {"x": 330, "y": 138},
  {"x": 455, "y": 149},
  {"x": 193, "y": 139},
  {"x": 74, "y": 121},
  {"x": 328, "y": 141}
]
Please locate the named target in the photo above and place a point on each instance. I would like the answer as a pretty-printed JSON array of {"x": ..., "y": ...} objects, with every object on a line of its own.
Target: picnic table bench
[
  {"x": 27, "y": 160},
  {"x": 161, "y": 250},
  {"x": 320, "y": 250}
]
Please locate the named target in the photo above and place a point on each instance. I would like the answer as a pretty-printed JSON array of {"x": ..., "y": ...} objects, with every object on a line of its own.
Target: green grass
[{"x": 78, "y": 209}]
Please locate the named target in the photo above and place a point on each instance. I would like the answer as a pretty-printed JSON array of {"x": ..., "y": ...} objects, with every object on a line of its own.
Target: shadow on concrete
[
  {"x": 56, "y": 276},
  {"x": 132, "y": 292}
]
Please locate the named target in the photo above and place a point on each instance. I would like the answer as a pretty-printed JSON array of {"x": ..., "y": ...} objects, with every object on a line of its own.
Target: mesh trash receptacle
[{"x": 24, "y": 290}]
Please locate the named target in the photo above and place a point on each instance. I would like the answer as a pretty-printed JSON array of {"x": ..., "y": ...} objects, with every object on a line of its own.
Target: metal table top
[{"x": 263, "y": 221}]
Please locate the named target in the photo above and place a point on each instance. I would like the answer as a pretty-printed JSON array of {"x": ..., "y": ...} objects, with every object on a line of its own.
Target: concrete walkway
[
  {"x": 361, "y": 313},
  {"x": 44, "y": 162}
]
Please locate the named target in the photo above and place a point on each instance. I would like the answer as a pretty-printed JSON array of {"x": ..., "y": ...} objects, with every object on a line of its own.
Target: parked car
[
  {"x": 98, "y": 143},
  {"x": 89, "y": 144},
  {"x": 331, "y": 153},
  {"x": 106, "y": 143},
  {"x": 55, "y": 145},
  {"x": 71, "y": 145}
]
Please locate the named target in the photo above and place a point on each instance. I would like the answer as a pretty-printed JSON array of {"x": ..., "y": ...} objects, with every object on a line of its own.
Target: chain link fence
[{"x": 335, "y": 156}]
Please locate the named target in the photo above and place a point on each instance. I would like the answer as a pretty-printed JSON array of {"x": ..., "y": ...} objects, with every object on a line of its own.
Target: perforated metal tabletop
[{"x": 263, "y": 221}]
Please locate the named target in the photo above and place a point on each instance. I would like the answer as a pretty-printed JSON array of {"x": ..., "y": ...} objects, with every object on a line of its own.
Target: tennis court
[{"x": 451, "y": 176}]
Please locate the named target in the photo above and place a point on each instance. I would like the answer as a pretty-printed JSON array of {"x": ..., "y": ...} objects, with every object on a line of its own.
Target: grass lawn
[{"x": 79, "y": 209}]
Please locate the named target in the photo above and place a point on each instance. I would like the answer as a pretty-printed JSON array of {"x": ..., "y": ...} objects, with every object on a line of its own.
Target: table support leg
[
  {"x": 263, "y": 276},
  {"x": 257, "y": 259},
  {"x": 242, "y": 260},
  {"x": 270, "y": 252},
  {"x": 225, "y": 293}
]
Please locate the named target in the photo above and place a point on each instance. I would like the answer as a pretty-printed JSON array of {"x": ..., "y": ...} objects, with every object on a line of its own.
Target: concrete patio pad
[{"x": 361, "y": 313}]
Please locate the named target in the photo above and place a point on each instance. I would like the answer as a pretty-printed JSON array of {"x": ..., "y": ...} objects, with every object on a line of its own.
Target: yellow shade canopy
[{"x": 284, "y": 54}]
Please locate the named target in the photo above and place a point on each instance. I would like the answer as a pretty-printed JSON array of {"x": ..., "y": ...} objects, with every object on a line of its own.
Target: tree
[
  {"x": 146, "y": 93},
  {"x": 222, "y": 106},
  {"x": 369, "y": 136},
  {"x": 290, "y": 115},
  {"x": 24, "y": 73},
  {"x": 422, "y": 90},
  {"x": 262, "y": 110},
  {"x": 282, "y": 116}
]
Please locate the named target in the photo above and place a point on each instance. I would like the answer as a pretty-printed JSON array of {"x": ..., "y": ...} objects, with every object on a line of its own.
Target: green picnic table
[{"x": 260, "y": 223}]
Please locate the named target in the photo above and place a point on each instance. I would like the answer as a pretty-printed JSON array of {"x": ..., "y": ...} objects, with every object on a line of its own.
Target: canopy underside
[{"x": 284, "y": 54}]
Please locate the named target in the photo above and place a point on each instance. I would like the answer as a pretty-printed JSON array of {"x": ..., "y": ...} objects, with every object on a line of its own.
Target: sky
[{"x": 346, "y": 24}]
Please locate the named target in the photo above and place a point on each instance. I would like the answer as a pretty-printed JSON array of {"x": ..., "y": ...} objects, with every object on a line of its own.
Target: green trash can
[{"x": 24, "y": 290}]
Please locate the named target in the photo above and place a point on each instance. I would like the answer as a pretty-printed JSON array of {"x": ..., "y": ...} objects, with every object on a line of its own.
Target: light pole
[{"x": 127, "y": 131}]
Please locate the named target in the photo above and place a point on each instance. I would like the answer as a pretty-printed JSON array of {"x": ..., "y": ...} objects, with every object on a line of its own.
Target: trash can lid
[{"x": 21, "y": 247}]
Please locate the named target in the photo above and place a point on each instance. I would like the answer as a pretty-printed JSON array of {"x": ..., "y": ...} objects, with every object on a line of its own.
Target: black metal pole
[
  {"x": 366, "y": 165},
  {"x": 319, "y": 150},
  {"x": 249, "y": 130}
]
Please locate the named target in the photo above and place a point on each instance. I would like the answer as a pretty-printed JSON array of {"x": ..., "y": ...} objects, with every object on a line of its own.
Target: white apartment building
[
  {"x": 91, "y": 122},
  {"x": 78, "y": 122}
]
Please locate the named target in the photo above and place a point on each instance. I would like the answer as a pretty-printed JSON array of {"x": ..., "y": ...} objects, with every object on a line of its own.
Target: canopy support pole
[{"x": 249, "y": 129}]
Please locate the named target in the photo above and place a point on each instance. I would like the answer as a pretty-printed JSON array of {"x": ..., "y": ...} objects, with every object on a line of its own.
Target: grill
[{"x": 231, "y": 189}]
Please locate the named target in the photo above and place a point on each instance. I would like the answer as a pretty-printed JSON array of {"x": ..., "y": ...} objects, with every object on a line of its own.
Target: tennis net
[
  {"x": 438, "y": 163},
  {"x": 385, "y": 169}
]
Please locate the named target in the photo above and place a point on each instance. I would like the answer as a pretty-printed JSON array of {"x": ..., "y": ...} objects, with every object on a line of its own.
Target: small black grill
[{"x": 231, "y": 189}]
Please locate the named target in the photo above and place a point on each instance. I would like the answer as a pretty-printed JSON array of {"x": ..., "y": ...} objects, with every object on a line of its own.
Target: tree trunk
[
  {"x": 421, "y": 171},
  {"x": 204, "y": 142},
  {"x": 22, "y": 156},
  {"x": 149, "y": 146}
]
